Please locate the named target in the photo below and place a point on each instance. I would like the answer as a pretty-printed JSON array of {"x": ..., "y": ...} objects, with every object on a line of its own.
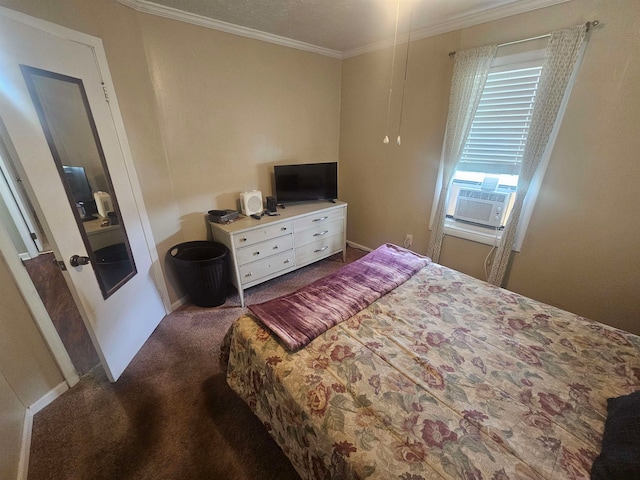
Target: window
[
  {"x": 484, "y": 184},
  {"x": 501, "y": 124}
]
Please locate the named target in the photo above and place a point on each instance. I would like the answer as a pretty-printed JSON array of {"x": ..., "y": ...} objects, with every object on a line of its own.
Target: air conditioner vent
[
  {"x": 492, "y": 197},
  {"x": 483, "y": 208}
]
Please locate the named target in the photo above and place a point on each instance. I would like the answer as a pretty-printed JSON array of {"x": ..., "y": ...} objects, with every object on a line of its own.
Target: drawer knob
[
  {"x": 321, "y": 249},
  {"x": 284, "y": 229},
  {"x": 321, "y": 233},
  {"x": 287, "y": 261},
  {"x": 249, "y": 274},
  {"x": 275, "y": 247},
  {"x": 256, "y": 253},
  {"x": 243, "y": 239},
  {"x": 320, "y": 219}
]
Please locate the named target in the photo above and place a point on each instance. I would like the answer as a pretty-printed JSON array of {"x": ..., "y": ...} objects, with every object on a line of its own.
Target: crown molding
[
  {"x": 146, "y": 6},
  {"x": 470, "y": 19},
  {"x": 457, "y": 23}
]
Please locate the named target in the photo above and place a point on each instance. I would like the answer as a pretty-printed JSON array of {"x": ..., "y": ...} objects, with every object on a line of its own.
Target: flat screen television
[
  {"x": 306, "y": 182},
  {"x": 81, "y": 190}
]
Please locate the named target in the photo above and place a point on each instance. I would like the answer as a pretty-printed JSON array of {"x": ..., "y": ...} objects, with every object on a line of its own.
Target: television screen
[
  {"x": 306, "y": 182},
  {"x": 78, "y": 184}
]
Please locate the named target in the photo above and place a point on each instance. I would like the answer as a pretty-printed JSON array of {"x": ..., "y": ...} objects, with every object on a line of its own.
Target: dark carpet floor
[{"x": 171, "y": 415}]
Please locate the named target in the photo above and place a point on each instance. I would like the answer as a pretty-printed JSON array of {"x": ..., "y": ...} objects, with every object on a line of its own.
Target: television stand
[{"x": 302, "y": 234}]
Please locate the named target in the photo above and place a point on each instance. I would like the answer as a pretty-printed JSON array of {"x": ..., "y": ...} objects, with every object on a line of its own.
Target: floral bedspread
[{"x": 444, "y": 377}]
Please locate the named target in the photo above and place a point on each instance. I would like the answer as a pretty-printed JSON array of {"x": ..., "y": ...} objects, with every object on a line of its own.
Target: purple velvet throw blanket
[{"x": 299, "y": 317}]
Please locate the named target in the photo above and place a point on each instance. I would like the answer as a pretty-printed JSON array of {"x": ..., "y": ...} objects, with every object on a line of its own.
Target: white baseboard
[
  {"x": 178, "y": 303},
  {"x": 25, "y": 256},
  {"x": 48, "y": 397},
  {"x": 25, "y": 447},
  {"x": 358, "y": 246}
]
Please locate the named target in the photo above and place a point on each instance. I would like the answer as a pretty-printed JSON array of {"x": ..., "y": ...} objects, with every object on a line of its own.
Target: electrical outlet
[{"x": 408, "y": 240}]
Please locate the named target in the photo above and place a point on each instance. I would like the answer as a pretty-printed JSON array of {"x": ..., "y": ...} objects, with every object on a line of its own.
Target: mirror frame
[{"x": 27, "y": 71}]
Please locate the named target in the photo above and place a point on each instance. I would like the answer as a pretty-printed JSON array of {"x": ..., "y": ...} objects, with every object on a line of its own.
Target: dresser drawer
[
  {"x": 301, "y": 234},
  {"x": 256, "y": 270},
  {"x": 264, "y": 249},
  {"x": 318, "y": 219},
  {"x": 319, "y": 232},
  {"x": 318, "y": 249},
  {"x": 259, "y": 234}
]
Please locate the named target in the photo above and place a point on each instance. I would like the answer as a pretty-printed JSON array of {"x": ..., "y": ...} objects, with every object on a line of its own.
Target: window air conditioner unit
[{"x": 482, "y": 207}]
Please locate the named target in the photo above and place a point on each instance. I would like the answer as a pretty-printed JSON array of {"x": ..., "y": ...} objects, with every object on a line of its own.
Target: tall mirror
[{"x": 68, "y": 125}]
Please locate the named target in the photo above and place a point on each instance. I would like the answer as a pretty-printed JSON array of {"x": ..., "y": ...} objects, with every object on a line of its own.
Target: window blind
[{"x": 501, "y": 124}]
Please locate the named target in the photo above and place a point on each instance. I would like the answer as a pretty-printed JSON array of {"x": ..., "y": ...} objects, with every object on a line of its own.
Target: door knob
[{"x": 77, "y": 260}]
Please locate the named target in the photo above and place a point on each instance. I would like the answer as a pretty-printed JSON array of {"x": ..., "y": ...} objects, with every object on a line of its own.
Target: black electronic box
[{"x": 222, "y": 216}]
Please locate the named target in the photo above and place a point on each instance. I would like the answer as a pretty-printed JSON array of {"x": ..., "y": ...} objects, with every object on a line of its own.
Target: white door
[{"x": 58, "y": 119}]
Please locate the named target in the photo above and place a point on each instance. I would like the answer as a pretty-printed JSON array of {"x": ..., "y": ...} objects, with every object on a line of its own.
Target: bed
[{"x": 444, "y": 376}]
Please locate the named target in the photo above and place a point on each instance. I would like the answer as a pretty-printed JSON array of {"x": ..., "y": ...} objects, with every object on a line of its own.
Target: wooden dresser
[{"x": 272, "y": 246}]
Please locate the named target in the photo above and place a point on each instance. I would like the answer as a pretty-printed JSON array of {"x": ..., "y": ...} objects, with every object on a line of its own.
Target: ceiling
[{"x": 338, "y": 28}]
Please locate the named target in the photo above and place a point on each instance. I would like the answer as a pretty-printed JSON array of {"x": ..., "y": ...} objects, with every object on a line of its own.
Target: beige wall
[
  {"x": 12, "y": 412},
  {"x": 25, "y": 359},
  {"x": 229, "y": 109},
  {"x": 27, "y": 369},
  {"x": 389, "y": 188},
  {"x": 581, "y": 250}
]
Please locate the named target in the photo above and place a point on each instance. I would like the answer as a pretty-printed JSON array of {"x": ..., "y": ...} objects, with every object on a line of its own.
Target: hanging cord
[
  {"x": 404, "y": 84},
  {"x": 393, "y": 63},
  {"x": 487, "y": 262}
]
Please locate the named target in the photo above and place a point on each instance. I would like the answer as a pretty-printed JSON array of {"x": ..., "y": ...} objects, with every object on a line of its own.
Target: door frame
[
  {"x": 7, "y": 248},
  {"x": 15, "y": 204}
]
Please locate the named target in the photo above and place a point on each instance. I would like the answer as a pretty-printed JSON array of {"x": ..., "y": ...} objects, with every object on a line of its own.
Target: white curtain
[
  {"x": 469, "y": 76},
  {"x": 561, "y": 56}
]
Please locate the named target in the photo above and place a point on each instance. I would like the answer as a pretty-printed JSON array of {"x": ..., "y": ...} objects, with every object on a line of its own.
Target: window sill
[{"x": 475, "y": 233}]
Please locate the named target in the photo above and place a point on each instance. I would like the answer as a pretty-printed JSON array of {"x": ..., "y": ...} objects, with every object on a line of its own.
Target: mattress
[{"x": 445, "y": 376}]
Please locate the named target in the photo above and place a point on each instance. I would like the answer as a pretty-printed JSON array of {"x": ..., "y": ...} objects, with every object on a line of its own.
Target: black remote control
[{"x": 256, "y": 216}]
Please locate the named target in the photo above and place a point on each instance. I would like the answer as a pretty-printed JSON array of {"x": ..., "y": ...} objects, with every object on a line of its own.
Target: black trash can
[{"x": 202, "y": 270}]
